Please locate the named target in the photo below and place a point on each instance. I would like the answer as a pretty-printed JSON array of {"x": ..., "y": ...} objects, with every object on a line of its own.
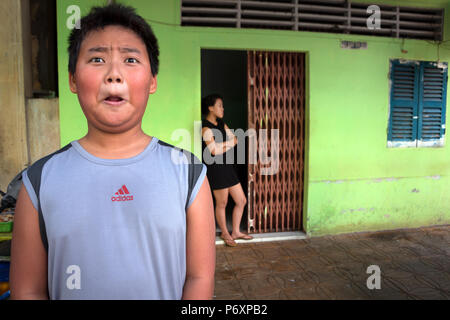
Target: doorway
[
  {"x": 262, "y": 91},
  {"x": 225, "y": 72}
]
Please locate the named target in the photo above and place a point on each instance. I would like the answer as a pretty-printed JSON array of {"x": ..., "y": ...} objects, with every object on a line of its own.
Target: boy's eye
[
  {"x": 131, "y": 60},
  {"x": 97, "y": 60}
]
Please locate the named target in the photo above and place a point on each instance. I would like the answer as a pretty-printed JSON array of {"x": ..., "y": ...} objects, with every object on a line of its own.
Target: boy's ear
[
  {"x": 72, "y": 83},
  {"x": 153, "y": 85}
]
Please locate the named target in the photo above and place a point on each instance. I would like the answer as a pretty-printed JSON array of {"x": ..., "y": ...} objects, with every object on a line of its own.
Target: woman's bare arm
[
  {"x": 200, "y": 246},
  {"x": 28, "y": 275},
  {"x": 231, "y": 134},
  {"x": 217, "y": 148}
]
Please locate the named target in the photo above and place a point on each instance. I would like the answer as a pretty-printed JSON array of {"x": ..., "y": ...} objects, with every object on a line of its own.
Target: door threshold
[{"x": 269, "y": 236}]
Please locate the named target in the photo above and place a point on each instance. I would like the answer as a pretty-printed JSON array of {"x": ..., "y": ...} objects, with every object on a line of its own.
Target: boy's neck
[{"x": 115, "y": 146}]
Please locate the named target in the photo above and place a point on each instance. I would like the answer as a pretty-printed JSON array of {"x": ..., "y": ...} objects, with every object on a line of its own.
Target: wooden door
[{"x": 276, "y": 100}]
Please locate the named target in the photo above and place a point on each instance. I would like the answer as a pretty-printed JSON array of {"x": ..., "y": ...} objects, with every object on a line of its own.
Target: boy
[{"x": 111, "y": 216}]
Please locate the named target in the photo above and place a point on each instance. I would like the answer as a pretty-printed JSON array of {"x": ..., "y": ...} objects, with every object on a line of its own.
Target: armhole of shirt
[
  {"x": 196, "y": 175},
  {"x": 32, "y": 181}
]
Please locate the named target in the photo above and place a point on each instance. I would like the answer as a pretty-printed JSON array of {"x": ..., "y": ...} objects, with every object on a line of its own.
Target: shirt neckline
[
  {"x": 215, "y": 125},
  {"x": 114, "y": 162}
]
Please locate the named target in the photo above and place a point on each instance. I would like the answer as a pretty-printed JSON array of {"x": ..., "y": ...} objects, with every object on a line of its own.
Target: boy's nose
[
  {"x": 114, "y": 74},
  {"x": 114, "y": 79}
]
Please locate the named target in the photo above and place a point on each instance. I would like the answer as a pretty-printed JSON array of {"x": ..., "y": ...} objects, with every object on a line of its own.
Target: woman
[{"x": 217, "y": 140}]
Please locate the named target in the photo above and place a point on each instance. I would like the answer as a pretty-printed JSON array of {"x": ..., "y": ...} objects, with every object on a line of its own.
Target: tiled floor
[{"x": 414, "y": 264}]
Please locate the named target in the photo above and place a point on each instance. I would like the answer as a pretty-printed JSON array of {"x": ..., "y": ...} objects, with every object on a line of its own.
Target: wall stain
[
  {"x": 375, "y": 180},
  {"x": 356, "y": 210}
]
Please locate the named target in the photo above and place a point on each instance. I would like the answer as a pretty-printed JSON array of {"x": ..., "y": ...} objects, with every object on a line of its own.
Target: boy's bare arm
[
  {"x": 200, "y": 246},
  {"x": 28, "y": 275}
]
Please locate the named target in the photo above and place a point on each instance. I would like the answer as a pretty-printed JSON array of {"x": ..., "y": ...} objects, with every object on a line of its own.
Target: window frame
[{"x": 418, "y": 103}]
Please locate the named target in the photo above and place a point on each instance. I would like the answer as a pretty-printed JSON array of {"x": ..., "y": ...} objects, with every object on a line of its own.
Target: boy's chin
[
  {"x": 113, "y": 122},
  {"x": 114, "y": 127}
]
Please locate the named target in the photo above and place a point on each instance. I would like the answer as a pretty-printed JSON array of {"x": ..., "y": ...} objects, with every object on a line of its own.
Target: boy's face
[{"x": 113, "y": 79}]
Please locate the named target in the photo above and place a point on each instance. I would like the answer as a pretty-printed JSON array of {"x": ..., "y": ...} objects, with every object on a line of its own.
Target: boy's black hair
[
  {"x": 113, "y": 14},
  {"x": 209, "y": 101}
]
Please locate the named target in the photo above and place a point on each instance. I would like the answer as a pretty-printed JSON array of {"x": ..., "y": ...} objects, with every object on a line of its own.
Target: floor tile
[{"x": 414, "y": 264}]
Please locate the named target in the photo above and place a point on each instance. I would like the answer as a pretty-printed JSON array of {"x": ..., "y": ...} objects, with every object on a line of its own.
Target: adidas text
[{"x": 122, "y": 198}]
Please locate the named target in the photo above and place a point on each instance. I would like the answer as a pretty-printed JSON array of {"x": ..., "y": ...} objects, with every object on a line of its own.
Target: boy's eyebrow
[
  {"x": 121, "y": 49},
  {"x": 126, "y": 49},
  {"x": 98, "y": 49}
]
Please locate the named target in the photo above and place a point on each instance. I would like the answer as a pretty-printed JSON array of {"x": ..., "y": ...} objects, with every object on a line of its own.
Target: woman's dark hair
[
  {"x": 209, "y": 101},
  {"x": 118, "y": 15}
]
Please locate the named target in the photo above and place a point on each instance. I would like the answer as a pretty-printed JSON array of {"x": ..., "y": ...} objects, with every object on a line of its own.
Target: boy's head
[
  {"x": 113, "y": 62},
  {"x": 118, "y": 15}
]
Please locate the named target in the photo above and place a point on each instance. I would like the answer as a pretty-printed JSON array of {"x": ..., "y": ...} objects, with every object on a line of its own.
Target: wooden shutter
[
  {"x": 432, "y": 103},
  {"x": 403, "y": 119}
]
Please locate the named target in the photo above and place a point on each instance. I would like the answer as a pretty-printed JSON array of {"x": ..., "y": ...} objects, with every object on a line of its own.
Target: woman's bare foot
[
  {"x": 242, "y": 236},
  {"x": 229, "y": 241}
]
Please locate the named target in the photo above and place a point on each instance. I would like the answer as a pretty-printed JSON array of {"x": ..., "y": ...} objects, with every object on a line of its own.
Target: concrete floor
[{"x": 414, "y": 264}]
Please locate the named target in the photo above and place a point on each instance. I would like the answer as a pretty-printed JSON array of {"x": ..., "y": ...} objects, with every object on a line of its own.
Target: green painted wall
[{"x": 353, "y": 181}]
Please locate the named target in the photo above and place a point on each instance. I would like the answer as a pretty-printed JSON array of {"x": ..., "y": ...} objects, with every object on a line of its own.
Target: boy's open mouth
[{"x": 113, "y": 99}]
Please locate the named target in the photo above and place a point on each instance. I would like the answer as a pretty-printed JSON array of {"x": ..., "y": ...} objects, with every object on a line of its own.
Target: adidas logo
[{"x": 122, "y": 195}]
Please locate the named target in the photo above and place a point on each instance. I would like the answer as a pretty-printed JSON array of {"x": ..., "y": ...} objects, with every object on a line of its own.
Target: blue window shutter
[
  {"x": 432, "y": 101},
  {"x": 403, "y": 118}
]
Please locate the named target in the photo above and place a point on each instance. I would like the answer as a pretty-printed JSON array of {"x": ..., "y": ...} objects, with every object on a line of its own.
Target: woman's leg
[
  {"x": 240, "y": 201},
  {"x": 221, "y": 196}
]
